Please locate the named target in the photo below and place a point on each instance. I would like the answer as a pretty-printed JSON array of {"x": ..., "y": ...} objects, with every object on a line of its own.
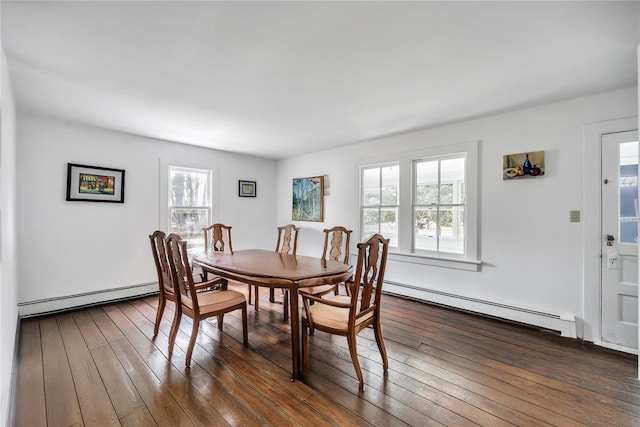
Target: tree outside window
[{"x": 189, "y": 204}]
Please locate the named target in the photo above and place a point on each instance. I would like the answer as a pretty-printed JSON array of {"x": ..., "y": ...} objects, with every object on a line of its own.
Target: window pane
[
  {"x": 446, "y": 193},
  {"x": 389, "y": 225},
  {"x": 188, "y": 223},
  {"x": 426, "y": 183},
  {"x": 371, "y": 186},
  {"x": 446, "y": 223},
  {"x": 452, "y": 230},
  {"x": 628, "y": 195},
  {"x": 451, "y": 176},
  {"x": 370, "y": 222},
  {"x": 426, "y": 229},
  {"x": 390, "y": 183},
  {"x": 188, "y": 188}
]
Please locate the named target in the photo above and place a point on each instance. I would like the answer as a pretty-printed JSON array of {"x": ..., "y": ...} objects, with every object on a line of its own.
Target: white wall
[
  {"x": 532, "y": 256},
  {"x": 8, "y": 238},
  {"x": 70, "y": 248}
]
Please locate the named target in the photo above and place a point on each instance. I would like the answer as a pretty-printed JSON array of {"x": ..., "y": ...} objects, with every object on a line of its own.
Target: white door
[{"x": 619, "y": 277}]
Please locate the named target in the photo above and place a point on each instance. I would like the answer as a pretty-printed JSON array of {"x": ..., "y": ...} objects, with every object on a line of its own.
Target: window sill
[{"x": 455, "y": 263}]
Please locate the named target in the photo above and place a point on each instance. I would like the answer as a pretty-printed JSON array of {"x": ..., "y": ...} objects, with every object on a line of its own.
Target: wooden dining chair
[
  {"x": 165, "y": 279},
  {"x": 198, "y": 306},
  {"x": 159, "y": 251},
  {"x": 217, "y": 237},
  {"x": 348, "y": 315},
  {"x": 336, "y": 248},
  {"x": 287, "y": 243}
]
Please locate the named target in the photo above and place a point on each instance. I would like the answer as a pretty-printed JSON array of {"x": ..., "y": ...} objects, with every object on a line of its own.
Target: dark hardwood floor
[{"x": 100, "y": 366}]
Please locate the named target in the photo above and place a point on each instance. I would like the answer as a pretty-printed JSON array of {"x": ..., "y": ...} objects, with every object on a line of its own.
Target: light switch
[{"x": 574, "y": 216}]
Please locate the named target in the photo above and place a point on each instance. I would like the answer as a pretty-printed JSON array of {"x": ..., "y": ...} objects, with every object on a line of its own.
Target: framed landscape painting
[
  {"x": 308, "y": 199},
  {"x": 94, "y": 184}
]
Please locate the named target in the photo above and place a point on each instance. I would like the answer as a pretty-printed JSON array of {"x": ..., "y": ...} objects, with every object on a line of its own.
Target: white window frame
[{"x": 405, "y": 252}]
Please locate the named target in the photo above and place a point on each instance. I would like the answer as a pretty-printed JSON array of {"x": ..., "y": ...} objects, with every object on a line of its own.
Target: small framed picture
[
  {"x": 94, "y": 184},
  {"x": 247, "y": 188},
  {"x": 523, "y": 165}
]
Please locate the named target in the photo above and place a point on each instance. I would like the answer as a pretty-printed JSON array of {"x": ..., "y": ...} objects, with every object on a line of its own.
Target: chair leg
[
  {"x": 192, "y": 341},
  {"x": 351, "y": 339},
  {"x": 377, "y": 330},
  {"x": 177, "y": 316},
  {"x": 250, "y": 291},
  {"x": 272, "y": 297},
  {"x": 285, "y": 304},
  {"x": 305, "y": 345},
  {"x": 245, "y": 335},
  {"x": 220, "y": 320},
  {"x": 161, "y": 304},
  {"x": 256, "y": 302}
]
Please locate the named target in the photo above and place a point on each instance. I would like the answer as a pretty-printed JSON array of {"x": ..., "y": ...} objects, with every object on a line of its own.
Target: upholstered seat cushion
[
  {"x": 336, "y": 318},
  {"x": 215, "y": 300}
]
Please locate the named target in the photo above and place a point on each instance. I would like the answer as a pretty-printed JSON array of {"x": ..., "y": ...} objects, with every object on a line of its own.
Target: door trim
[{"x": 592, "y": 136}]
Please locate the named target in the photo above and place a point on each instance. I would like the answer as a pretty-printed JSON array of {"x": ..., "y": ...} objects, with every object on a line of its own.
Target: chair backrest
[
  {"x": 181, "y": 271},
  {"x": 159, "y": 250},
  {"x": 217, "y": 237},
  {"x": 369, "y": 275},
  {"x": 336, "y": 244},
  {"x": 287, "y": 234}
]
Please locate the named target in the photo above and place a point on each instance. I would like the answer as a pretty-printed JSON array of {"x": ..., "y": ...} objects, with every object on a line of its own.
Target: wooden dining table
[{"x": 275, "y": 270}]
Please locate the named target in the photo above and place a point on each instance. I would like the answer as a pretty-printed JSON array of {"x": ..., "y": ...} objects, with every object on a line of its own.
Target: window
[
  {"x": 438, "y": 210},
  {"x": 425, "y": 203},
  {"x": 189, "y": 203},
  {"x": 379, "y": 207}
]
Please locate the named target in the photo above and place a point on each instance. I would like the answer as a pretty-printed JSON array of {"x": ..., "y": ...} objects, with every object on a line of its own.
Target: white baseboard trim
[
  {"x": 70, "y": 302},
  {"x": 617, "y": 347},
  {"x": 565, "y": 324}
]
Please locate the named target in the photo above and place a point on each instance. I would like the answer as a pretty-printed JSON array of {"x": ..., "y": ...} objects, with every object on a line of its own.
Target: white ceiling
[{"x": 278, "y": 79}]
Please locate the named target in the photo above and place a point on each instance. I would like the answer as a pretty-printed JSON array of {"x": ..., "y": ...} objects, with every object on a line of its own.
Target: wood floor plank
[
  {"x": 94, "y": 401},
  {"x": 31, "y": 407},
  {"x": 63, "y": 408},
  {"x": 445, "y": 368}
]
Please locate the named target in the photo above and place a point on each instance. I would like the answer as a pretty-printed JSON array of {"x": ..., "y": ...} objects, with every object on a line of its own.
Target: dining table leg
[{"x": 295, "y": 333}]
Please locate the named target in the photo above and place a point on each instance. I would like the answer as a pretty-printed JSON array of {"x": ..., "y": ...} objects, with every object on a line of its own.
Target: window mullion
[
  {"x": 438, "y": 207},
  {"x": 380, "y": 201},
  {"x": 405, "y": 203}
]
